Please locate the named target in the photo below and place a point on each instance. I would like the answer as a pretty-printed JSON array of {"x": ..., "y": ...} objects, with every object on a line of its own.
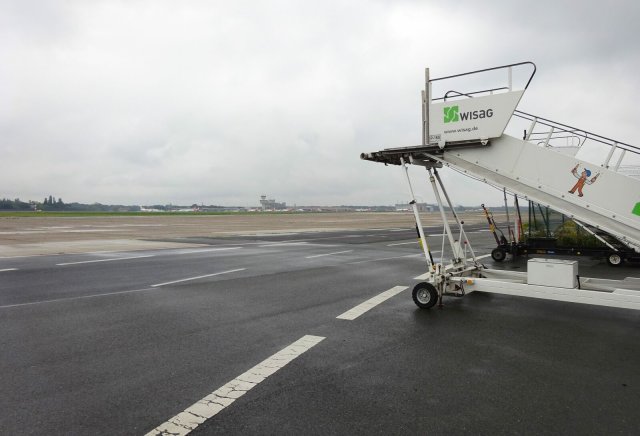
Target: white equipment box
[{"x": 553, "y": 272}]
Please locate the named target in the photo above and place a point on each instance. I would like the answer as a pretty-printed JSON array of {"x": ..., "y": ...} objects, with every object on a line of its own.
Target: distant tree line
[
  {"x": 6, "y": 204},
  {"x": 50, "y": 203}
]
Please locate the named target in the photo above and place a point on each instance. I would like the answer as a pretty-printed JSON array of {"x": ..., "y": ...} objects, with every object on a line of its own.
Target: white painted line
[
  {"x": 386, "y": 258},
  {"x": 283, "y": 244},
  {"x": 352, "y": 314},
  {"x": 104, "y": 260},
  {"x": 185, "y": 422},
  {"x": 74, "y": 298},
  {"x": 267, "y": 234},
  {"x": 411, "y": 242},
  {"x": 8, "y": 269},
  {"x": 328, "y": 254},
  {"x": 402, "y": 243},
  {"x": 90, "y": 252},
  {"x": 198, "y": 277},
  {"x": 203, "y": 250},
  {"x": 21, "y": 232}
]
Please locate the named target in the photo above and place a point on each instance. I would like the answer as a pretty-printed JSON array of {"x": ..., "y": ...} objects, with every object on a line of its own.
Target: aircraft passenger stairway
[{"x": 580, "y": 174}]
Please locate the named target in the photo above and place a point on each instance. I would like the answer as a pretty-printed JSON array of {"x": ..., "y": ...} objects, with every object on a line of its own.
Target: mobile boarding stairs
[{"x": 582, "y": 175}]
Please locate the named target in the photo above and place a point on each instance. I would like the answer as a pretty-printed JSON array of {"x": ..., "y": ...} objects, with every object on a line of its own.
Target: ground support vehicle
[{"x": 464, "y": 130}]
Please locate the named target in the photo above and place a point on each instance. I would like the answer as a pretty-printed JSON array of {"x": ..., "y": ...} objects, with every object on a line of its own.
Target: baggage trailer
[{"x": 587, "y": 242}]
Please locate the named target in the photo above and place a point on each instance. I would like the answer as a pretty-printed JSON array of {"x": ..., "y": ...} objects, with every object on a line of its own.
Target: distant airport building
[
  {"x": 271, "y": 204},
  {"x": 422, "y": 207}
]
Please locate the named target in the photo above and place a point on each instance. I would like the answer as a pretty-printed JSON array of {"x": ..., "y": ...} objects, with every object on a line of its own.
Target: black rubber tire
[
  {"x": 498, "y": 254},
  {"x": 614, "y": 259},
  {"x": 425, "y": 295}
]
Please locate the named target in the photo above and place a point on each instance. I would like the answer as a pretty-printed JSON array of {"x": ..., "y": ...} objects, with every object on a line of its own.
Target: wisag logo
[{"x": 452, "y": 114}]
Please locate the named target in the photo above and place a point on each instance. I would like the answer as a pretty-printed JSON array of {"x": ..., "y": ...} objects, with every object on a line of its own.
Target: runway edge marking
[
  {"x": 354, "y": 313},
  {"x": 185, "y": 422}
]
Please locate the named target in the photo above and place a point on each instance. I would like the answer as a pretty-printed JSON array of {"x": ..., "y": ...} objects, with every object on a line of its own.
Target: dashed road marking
[
  {"x": 247, "y": 235},
  {"x": 402, "y": 243},
  {"x": 328, "y": 254},
  {"x": 198, "y": 277},
  {"x": 283, "y": 244},
  {"x": 386, "y": 258},
  {"x": 74, "y": 298},
  {"x": 32, "y": 232},
  {"x": 203, "y": 250},
  {"x": 185, "y": 422},
  {"x": 8, "y": 269},
  {"x": 352, "y": 314},
  {"x": 104, "y": 260}
]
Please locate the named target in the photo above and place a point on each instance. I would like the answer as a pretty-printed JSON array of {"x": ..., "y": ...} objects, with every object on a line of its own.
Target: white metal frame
[{"x": 464, "y": 275}]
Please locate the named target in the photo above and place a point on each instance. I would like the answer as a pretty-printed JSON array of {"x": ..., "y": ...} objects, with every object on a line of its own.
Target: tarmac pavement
[{"x": 244, "y": 330}]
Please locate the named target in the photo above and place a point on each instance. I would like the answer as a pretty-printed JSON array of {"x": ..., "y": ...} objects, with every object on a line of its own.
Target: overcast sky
[{"x": 218, "y": 102}]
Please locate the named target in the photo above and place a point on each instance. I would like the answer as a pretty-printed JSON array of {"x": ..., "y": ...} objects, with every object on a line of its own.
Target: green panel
[
  {"x": 636, "y": 209},
  {"x": 451, "y": 114}
]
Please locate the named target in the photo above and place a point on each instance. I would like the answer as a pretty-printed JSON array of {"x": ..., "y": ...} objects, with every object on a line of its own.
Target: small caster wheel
[
  {"x": 425, "y": 295},
  {"x": 614, "y": 259},
  {"x": 498, "y": 254}
]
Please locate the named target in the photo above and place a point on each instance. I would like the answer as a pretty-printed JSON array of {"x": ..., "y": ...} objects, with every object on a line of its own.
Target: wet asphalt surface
[{"x": 118, "y": 343}]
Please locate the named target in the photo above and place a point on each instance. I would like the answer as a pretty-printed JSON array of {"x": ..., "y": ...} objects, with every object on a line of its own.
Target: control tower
[{"x": 271, "y": 204}]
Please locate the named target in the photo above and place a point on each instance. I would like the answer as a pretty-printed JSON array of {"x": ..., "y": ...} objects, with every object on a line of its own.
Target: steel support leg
[
  {"x": 414, "y": 206},
  {"x": 463, "y": 234},
  {"x": 454, "y": 250}
]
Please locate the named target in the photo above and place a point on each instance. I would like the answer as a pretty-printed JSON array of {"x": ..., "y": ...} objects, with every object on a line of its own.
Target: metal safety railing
[
  {"x": 427, "y": 93},
  {"x": 509, "y": 68},
  {"x": 545, "y": 132},
  {"x": 548, "y": 133}
]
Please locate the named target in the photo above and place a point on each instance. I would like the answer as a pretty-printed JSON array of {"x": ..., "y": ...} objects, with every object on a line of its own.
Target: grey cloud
[{"x": 219, "y": 102}]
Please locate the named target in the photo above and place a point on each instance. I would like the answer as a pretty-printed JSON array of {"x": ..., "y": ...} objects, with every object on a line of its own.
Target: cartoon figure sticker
[{"x": 583, "y": 178}]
